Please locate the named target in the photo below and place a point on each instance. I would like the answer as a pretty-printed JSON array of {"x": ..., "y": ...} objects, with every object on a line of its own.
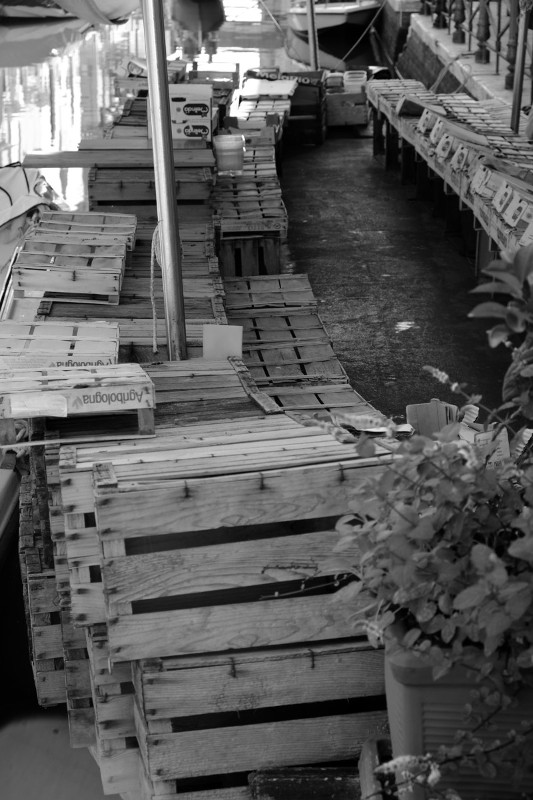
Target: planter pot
[{"x": 424, "y": 714}]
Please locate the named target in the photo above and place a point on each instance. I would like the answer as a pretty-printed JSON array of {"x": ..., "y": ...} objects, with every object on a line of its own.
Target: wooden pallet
[
  {"x": 41, "y": 599},
  {"x": 187, "y": 705},
  {"x": 278, "y": 363},
  {"x": 85, "y": 224},
  {"x": 309, "y": 398},
  {"x": 268, "y": 291},
  {"x": 215, "y": 601},
  {"x": 73, "y": 272},
  {"x": 107, "y": 185},
  {"x": 58, "y": 344},
  {"x": 264, "y": 326},
  {"x": 250, "y": 254},
  {"x": 71, "y": 391}
]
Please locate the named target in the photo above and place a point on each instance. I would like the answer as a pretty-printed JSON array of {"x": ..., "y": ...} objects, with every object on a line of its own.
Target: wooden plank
[
  {"x": 227, "y": 566},
  {"x": 188, "y": 686},
  {"x": 247, "y": 499},
  {"x": 300, "y": 783},
  {"x": 237, "y": 626},
  {"x": 252, "y": 747},
  {"x": 116, "y": 158}
]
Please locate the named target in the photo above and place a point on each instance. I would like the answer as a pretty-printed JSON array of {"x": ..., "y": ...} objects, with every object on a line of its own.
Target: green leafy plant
[
  {"x": 511, "y": 275},
  {"x": 445, "y": 535}
]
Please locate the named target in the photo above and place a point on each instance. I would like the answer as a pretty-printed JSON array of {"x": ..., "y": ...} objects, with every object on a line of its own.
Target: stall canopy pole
[
  {"x": 165, "y": 184},
  {"x": 312, "y": 34},
  {"x": 523, "y": 26}
]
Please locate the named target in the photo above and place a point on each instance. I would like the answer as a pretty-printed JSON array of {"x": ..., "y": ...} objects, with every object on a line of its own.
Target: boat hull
[{"x": 333, "y": 15}]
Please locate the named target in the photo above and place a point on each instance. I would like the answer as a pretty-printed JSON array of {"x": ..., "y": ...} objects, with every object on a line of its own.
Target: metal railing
[{"x": 488, "y": 28}]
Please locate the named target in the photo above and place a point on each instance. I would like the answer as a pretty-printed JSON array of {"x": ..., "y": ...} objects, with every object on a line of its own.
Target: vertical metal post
[
  {"x": 523, "y": 22},
  {"x": 312, "y": 34},
  {"x": 165, "y": 185}
]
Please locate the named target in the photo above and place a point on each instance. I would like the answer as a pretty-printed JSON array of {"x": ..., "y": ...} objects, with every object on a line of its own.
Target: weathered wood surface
[
  {"x": 269, "y": 292},
  {"x": 300, "y": 783},
  {"x": 29, "y": 345},
  {"x": 122, "y": 158},
  {"x": 247, "y": 748},
  {"x": 214, "y": 684}
]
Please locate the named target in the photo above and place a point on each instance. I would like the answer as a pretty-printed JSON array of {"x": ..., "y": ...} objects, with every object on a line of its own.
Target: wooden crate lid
[{"x": 67, "y": 391}]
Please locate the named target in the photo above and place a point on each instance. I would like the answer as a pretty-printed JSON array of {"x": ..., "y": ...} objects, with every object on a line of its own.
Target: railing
[{"x": 489, "y": 28}]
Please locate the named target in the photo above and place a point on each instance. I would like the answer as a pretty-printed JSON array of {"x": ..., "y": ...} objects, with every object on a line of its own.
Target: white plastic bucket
[{"x": 229, "y": 152}]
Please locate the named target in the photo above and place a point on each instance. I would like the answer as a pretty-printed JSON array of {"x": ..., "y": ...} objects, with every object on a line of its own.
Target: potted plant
[
  {"x": 445, "y": 535},
  {"x": 446, "y": 557}
]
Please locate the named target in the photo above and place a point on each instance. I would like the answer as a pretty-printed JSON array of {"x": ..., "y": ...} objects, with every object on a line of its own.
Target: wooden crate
[
  {"x": 263, "y": 326},
  {"x": 311, "y": 398},
  {"x": 58, "y": 344},
  {"x": 71, "y": 391},
  {"x": 72, "y": 272},
  {"x": 112, "y": 691},
  {"x": 255, "y": 709},
  {"x": 225, "y": 593},
  {"x": 87, "y": 223},
  {"x": 107, "y": 185},
  {"x": 268, "y": 291},
  {"x": 272, "y": 364},
  {"x": 41, "y": 599},
  {"x": 250, "y": 254},
  {"x": 195, "y": 450}
]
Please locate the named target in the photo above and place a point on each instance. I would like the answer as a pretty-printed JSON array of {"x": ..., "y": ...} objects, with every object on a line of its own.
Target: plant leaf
[
  {"x": 497, "y": 335},
  {"x": 494, "y": 287},
  {"x": 489, "y": 309},
  {"x": 470, "y": 597},
  {"x": 503, "y": 274}
]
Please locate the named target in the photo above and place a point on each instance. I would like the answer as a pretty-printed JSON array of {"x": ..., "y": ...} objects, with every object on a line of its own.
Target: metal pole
[
  {"x": 312, "y": 34},
  {"x": 165, "y": 185},
  {"x": 523, "y": 23}
]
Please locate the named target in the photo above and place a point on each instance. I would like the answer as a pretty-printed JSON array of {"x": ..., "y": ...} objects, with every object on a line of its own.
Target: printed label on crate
[
  {"x": 480, "y": 178},
  {"x": 527, "y": 236},
  {"x": 502, "y": 198},
  {"x": 459, "y": 158},
  {"x": 444, "y": 146},
  {"x": 44, "y": 360},
  {"x": 525, "y": 218},
  {"x": 426, "y": 121},
  {"x": 515, "y": 209},
  {"x": 437, "y": 131}
]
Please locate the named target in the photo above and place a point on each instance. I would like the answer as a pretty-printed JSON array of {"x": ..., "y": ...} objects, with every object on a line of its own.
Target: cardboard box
[{"x": 191, "y": 112}]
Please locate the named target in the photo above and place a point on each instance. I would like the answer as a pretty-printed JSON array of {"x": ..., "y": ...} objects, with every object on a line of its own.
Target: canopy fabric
[
  {"x": 100, "y": 12},
  {"x": 32, "y": 43}
]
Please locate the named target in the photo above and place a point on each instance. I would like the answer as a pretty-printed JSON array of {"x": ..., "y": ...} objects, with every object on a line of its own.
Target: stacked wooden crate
[
  {"x": 210, "y": 608},
  {"x": 58, "y": 344},
  {"x": 250, "y": 215},
  {"x": 75, "y": 260},
  {"x": 286, "y": 347},
  {"x": 471, "y": 147}
]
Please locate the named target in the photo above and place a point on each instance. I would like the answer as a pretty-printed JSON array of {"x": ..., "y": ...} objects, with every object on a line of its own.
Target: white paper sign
[
  {"x": 222, "y": 341},
  {"x": 502, "y": 197},
  {"x": 38, "y": 404}
]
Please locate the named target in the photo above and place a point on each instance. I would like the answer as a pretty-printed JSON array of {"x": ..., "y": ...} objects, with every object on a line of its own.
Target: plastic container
[{"x": 229, "y": 152}]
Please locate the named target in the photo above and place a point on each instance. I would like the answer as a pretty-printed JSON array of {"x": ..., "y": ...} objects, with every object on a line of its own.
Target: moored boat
[{"x": 332, "y": 14}]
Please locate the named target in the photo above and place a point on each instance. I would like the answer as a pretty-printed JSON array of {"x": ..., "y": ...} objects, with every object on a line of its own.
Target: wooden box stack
[
  {"x": 58, "y": 344},
  {"x": 250, "y": 217},
  {"x": 454, "y": 134},
  {"x": 88, "y": 226},
  {"x": 72, "y": 391},
  {"x": 208, "y": 601},
  {"x": 69, "y": 270}
]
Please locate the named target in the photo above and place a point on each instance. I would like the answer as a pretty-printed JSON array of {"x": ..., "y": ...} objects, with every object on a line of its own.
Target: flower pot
[{"x": 424, "y": 714}]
